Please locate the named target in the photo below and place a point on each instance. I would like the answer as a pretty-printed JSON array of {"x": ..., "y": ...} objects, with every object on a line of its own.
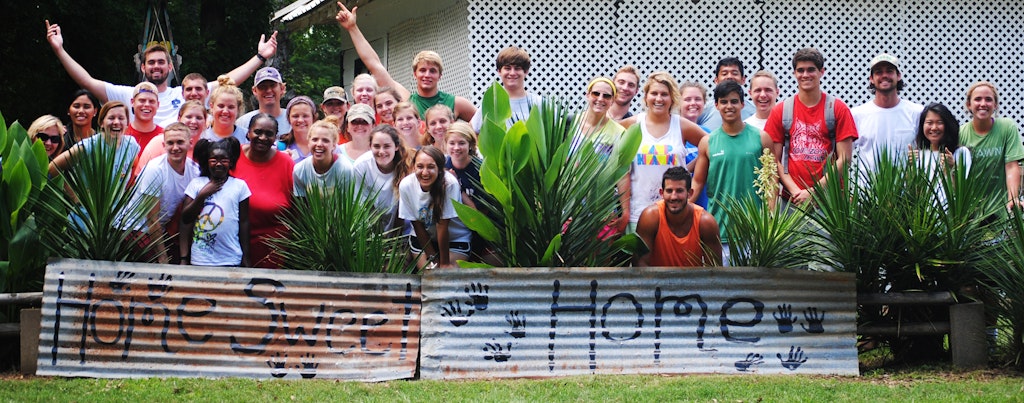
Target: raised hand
[
  {"x": 346, "y": 19},
  {"x": 53, "y": 35},
  {"x": 267, "y": 47}
]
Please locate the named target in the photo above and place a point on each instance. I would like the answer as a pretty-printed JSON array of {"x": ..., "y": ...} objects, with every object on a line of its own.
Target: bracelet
[
  {"x": 189, "y": 257},
  {"x": 262, "y": 59}
]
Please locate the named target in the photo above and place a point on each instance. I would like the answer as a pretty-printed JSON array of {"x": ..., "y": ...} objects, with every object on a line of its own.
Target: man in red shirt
[
  {"x": 809, "y": 145},
  {"x": 144, "y": 106}
]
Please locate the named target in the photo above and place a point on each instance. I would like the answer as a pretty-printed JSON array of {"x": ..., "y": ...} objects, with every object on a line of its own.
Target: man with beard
[
  {"x": 627, "y": 83},
  {"x": 678, "y": 233},
  {"x": 887, "y": 122},
  {"x": 728, "y": 69},
  {"x": 156, "y": 67}
]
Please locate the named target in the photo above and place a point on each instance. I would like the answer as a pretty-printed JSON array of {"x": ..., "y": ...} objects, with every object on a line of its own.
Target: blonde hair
[
  {"x": 428, "y": 56},
  {"x": 363, "y": 77},
  {"x": 976, "y": 85},
  {"x": 693, "y": 84},
  {"x": 226, "y": 86},
  {"x": 663, "y": 78},
  {"x": 45, "y": 122},
  {"x": 465, "y": 131},
  {"x": 193, "y": 104},
  {"x": 179, "y": 127},
  {"x": 766, "y": 74},
  {"x": 326, "y": 124},
  {"x": 428, "y": 139}
]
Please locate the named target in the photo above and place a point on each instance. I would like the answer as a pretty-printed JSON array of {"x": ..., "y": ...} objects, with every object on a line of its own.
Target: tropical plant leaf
[
  {"x": 477, "y": 221},
  {"x": 473, "y": 265},
  {"x": 496, "y": 106},
  {"x": 553, "y": 247}
]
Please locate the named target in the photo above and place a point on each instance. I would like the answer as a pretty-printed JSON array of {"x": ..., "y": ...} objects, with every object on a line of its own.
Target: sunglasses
[
  {"x": 46, "y": 138},
  {"x": 598, "y": 94}
]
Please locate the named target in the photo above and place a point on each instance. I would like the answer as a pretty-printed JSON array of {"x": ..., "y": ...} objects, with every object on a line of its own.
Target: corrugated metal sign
[
  {"x": 105, "y": 319},
  {"x": 556, "y": 322}
]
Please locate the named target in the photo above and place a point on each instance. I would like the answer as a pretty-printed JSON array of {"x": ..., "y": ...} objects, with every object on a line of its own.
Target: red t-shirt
[
  {"x": 144, "y": 137},
  {"x": 809, "y": 144},
  {"x": 271, "y": 186}
]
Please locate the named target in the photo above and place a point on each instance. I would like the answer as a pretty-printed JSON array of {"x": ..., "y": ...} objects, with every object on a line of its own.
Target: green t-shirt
[
  {"x": 422, "y": 104},
  {"x": 731, "y": 164},
  {"x": 991, "y": 152}
]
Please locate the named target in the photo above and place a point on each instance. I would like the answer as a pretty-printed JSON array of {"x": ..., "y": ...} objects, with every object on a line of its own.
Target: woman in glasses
[
  {"x": 593, "y": 123},
  {"x": 50, "y": 131}
]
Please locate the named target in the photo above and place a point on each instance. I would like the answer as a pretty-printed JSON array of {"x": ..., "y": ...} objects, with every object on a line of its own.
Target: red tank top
[{"x": 672, "y": 251}]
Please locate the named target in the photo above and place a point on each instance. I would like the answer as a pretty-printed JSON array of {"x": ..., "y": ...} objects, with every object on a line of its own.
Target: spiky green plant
[
  {"x": 338, "y": 229},
  {"x": 1006, "y": 281},
  {"x": 906, "y": 227},
  {"x": 763, "y": 236},
  {"x": 97, "y": 211},
  {"x": 550, "y": 205},
  {"x": 24, "y": 164}
]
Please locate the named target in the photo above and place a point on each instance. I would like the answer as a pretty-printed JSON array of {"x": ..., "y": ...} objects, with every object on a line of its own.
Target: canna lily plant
[
  {"x": 23, "y": 165},
  {"x": 549, "y": 206}
]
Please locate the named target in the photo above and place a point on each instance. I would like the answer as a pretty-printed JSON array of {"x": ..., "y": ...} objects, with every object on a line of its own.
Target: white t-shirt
[
  {"x": 755, "y": 121},
  {"x": 653, "y": 158},
  {"x": 520, "y": 111},
  {"x": 170, "y": 101},
  {"x": 883, "y": 128},
  {"x": 339, "y": 174},
  {"x": 282, "y": 122},
  {"x": 240, "y": 133},
  {"x": 158, "y": 179},
  {"x": 366, "y": 171},
  {"x": 414, "y": 205},
  {"x": 215, "y": 235}
]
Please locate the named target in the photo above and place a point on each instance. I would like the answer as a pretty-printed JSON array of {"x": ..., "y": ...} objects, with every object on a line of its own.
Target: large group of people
[{"x": 224, "y": 176}]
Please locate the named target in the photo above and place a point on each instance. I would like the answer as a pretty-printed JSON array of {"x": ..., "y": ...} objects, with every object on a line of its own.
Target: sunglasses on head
[
  {"x": 47, "y": 138},
  {"x": 598, "y": 94}
]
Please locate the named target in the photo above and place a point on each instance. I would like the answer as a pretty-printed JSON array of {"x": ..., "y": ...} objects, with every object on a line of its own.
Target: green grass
[{"x": 915, "y": 385}]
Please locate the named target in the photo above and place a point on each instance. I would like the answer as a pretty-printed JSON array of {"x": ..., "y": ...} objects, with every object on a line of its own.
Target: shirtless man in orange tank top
[{"x": 678, "y": 233}]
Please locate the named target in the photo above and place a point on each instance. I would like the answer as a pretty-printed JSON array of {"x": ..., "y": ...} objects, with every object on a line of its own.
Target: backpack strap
[
  {"x": 830, "y": 120},
  {"x": 787, "y": 124}
]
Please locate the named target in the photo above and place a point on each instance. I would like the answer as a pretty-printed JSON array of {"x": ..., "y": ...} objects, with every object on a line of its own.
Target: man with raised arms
[
  {"x": 678, "y": 233},
  {"x": 156, "y": 67},
  {"x": 627, "y": 83},
  {"x": 426, "y": 69}
]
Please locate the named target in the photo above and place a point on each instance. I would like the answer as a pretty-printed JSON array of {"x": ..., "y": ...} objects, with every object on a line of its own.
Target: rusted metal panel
[
  {"x": 105, "y": 319},
  {"x": 555, "y": 322}
]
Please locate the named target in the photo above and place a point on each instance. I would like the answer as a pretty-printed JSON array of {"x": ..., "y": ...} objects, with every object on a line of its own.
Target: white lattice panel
[
  {"x": 943, "y": 45},
  {"x": 443, "y": 32}
]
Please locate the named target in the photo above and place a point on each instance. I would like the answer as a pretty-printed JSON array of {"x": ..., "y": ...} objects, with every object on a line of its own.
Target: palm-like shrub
[
  {"x": 906, "y": 227},
  {"x": 764, "y": 236},
  {"x": 549, "y": 205},
  {"x": 338, "y": 229},
  {"x": 92, "y": 210},
  {"x": 23, "y": 178},
  {"x": 1006, "y": 282}
]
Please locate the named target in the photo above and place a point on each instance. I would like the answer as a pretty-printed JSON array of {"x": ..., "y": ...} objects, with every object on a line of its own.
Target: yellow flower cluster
[{"x": 767, "y": 183}]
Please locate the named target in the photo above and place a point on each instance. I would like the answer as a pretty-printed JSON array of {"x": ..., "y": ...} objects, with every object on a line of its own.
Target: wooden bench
[{"x": 966, "y": 326}]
